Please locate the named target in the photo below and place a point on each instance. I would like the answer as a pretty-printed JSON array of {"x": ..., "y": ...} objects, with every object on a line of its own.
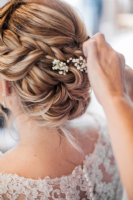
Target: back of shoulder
[{"x": 90, "y": 130}]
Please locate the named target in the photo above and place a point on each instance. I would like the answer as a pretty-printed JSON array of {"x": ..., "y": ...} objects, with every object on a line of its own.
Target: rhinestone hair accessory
[{"x": 63, "y": 68}]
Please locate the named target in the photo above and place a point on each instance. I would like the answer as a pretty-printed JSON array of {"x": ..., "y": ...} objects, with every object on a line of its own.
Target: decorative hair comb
[{"x": 79, "y": 63}]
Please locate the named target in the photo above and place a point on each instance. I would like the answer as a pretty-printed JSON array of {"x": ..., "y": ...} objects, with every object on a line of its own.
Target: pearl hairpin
[{"x": 79, "y": 63}]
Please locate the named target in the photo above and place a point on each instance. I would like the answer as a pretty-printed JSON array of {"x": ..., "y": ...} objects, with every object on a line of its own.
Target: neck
[{"x": 34, "y": 136}]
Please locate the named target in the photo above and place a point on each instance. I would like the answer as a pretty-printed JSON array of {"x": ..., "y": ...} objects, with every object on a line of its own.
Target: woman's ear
[{"x": 7, "y": 87}]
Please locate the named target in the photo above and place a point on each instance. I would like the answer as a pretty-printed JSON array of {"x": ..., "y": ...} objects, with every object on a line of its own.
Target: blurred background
[{"x": 113, "y": 18}]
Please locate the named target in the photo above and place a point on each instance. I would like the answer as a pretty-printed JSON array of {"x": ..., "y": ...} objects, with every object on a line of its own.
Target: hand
[
  {"x": 129, "y": 81},
  {"x": 106, "y": 69}
]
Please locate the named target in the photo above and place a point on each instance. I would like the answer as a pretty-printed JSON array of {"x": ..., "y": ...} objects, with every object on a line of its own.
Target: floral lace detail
[{"x": 97, "y": 179}]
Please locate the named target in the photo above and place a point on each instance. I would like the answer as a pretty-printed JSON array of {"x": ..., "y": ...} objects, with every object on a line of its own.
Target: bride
[{"x": 45, "y": 85}]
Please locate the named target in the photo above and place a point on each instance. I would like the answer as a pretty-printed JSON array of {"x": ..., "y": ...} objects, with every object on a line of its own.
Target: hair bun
[{"x": 33, "y": 34}]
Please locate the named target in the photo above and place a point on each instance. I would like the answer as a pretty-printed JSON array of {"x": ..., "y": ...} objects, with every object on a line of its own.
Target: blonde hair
[{"x": 32, "y": 34}]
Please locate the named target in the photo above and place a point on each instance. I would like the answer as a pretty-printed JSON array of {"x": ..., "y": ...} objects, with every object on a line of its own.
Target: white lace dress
[{"x": 97, "y": 179}]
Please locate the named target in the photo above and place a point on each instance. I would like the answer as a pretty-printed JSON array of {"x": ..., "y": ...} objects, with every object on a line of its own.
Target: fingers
[
  {"x": 122, "y": 62},
  {"x": 100, "y": 39},
  {"x": 122, "y": 58},
  {"x": 102, "y": 46},
  {"x": 129, "y": 81},
  {"x": 90, "y": 50},
  {"x": 122, "y": 71},
  {"x": 128, "y": 67}
]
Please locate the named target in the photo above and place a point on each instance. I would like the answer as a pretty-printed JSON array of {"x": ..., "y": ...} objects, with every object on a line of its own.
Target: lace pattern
[{"x": 97, "y": 179}]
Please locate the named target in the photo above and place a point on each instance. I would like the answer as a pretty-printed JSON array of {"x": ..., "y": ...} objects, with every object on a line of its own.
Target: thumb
[
  {"x": 90, "y": 47},
  {"x": 90, "y": 50}
]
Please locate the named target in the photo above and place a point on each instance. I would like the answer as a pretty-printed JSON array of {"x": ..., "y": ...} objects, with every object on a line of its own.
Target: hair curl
[{"x": 32, "y": 34}]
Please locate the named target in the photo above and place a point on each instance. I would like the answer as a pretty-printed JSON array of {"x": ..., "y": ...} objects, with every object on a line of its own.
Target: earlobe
[
  {"x": 9, "y": 85},
  {"x": 7, "y": 88}
]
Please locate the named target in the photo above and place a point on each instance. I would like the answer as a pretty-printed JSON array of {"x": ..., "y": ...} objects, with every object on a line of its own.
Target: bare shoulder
[
  {"x": 87, "y": 133},
  {"x": 7, "y": 161}
]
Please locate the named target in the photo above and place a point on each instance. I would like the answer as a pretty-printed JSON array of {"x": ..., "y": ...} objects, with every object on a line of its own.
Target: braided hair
[{"x": 32, "y": 34}]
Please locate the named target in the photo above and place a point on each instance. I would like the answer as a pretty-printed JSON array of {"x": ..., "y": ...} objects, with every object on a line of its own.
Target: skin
[
  {"x": 41, "y": 147},
  {"x": 129, "y": 81},
  {"x": 107, "y": 71}
]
